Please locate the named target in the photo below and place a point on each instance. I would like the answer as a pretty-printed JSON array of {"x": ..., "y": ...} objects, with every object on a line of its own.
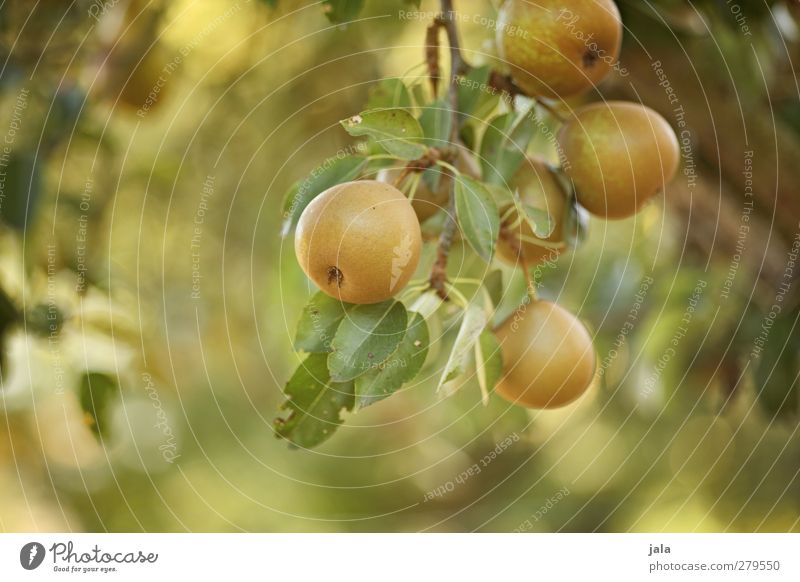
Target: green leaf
[
  {"x": 318, "y": 323},
  {"x": 503, "y": 146},
  {"x": 427, "y": 304},
  {"x": 477, "y": 215},
  {"x": 778, "y": 367},
  {"x": 339, "y": 11},
  {"x": 494, "y": 285},
  {"x": 395, "y": 130},
  {"x": 368, "y": 336},
  {"x": 402, "y": 366},
  {"x": 96, "y": 392},
  {"x": 472, "y": 325},
  {"x": 436, "y": 122},
  {"x": 389, "y": 93},
  {"x": 488, "y": 363},
  {"x": 332, "y": 172},
  {"x": 539, "y": 220},
  {"x": 314, "y": 402},
  {"x": 475, "y": 97}
]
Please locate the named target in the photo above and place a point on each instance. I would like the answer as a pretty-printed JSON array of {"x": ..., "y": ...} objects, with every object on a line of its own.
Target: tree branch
[{"x": 458, "y": 66}]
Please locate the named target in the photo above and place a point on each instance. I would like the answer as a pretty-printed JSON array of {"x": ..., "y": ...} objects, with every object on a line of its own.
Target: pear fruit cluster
[{"x": 360, "y": 241}]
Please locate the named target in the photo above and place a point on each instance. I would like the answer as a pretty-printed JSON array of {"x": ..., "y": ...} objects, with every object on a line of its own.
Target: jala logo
[{"x": 31, "y": 555}]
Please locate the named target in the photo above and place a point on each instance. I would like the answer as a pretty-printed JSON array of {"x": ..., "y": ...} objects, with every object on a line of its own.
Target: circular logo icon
[{"x": 31, "y": 555}]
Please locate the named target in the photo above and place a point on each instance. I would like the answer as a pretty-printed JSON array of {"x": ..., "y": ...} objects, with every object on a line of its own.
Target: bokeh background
[{"x": 140, "y": 254}]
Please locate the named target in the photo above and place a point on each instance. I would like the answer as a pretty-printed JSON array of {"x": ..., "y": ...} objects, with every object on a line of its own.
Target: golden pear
[
  {"x": 559, "y": 48},
  {"x": 360, "y": 242},
  {"x": 619, "y": 155},
  {"x": 548, "y": 356}
]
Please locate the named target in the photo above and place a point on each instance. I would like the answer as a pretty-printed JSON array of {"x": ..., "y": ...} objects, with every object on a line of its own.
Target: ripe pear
[
  {"x": 538, "y": 187},
  {"x": 620, "y": 155},
  {"x": 428, "y": 202},
  {"x": 548, "y": 357},
  {"x": 359, "y": 241},
  {"x": 559, "y": 48}
]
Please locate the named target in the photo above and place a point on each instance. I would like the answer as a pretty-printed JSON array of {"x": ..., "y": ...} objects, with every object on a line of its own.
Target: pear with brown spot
[
  {"x": 559, "y": 48},
  {"x": 360, "y": 241}
]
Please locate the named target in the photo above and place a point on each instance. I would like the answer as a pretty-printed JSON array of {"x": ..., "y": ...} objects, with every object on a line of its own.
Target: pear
[
  {"x": 619, "y": 155},
  {"x": 360, "y": 242},
  {"x": 559, "y": 48},
  {"x": 548, "y": 357}
]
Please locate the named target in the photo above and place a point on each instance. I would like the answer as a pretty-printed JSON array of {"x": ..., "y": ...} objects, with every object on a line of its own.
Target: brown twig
[
  {"x": 432, "y": 54},
  {"x": 458, "y": 66}
]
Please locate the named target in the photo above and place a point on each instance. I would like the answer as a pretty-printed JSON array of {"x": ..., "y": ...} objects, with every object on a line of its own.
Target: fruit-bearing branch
[{"x": 458, "y": 66}]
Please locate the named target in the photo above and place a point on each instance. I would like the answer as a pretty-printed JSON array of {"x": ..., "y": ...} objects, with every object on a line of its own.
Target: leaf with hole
[
  {"x": 365, "y": 338},
  {"x": 314, "y": 402},
  {"x": 477, "y": 216},
  {"x": 395, "y": 130},
  {"x": 402, "y": 366}
]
